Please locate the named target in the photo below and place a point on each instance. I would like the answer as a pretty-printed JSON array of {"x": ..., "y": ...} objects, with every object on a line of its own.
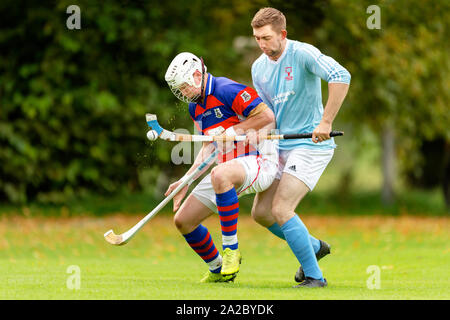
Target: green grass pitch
[{"x": 410, "y": 253}]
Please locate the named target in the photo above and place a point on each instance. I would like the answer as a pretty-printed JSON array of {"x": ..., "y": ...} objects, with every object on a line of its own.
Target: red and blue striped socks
[
  {"x": 200, "y": 241},
  {"x": 228, "y": 207}
]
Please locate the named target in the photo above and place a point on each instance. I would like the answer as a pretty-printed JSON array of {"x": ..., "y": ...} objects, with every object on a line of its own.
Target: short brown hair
[{"x": 270, "y": 16}]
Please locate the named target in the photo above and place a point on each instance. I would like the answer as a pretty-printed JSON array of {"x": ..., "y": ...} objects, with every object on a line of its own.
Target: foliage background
[{"x": 72, "y": 102}]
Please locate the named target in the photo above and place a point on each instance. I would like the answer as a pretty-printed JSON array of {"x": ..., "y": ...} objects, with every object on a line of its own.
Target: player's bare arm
[
  {"x": 259, "y": 118},
  {"x": 336, "y": 96},
  {"x": 260, "y": 121},
  {"x": 265, "y": 111}
]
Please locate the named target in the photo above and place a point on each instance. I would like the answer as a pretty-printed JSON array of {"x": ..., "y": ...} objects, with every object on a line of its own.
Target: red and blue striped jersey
[{"x": 226, "y": 103}]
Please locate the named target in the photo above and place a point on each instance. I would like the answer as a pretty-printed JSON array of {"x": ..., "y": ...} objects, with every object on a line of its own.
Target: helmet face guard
[
  {"x": 180, "y": 77},
  {"x": 184, "y": 92}
]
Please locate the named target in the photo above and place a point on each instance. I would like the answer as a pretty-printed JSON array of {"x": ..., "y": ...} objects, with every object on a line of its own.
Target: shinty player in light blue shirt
[{"x": 288, "y": 77}]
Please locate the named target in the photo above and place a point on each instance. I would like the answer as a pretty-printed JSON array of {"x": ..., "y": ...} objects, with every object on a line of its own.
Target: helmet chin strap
[{"x": 199, "y": 99}]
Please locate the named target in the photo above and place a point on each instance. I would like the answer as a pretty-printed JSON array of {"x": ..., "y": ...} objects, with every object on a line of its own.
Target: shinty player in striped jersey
[
  {"x": 218, "y": 105},
  {"x": 287, "y": 76}
]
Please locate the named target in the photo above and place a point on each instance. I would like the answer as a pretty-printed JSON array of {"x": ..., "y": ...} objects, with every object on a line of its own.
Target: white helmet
[{"x": 181, "y": 71}]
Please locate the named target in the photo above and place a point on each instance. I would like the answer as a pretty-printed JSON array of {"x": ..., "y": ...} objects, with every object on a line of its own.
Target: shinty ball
[{"x": 152, "y": 135}]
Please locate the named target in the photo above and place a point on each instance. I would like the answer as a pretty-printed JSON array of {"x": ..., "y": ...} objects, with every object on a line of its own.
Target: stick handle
[
  {"x": 273, "y": 136},
  {"x": 163, "y": 203},
  {"x": 309, "y": 135},
  {"x": 164, "y": 134}
]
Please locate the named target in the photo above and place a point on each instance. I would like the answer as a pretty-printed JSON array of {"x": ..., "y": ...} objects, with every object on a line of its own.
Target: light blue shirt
[{"x": 291, "y": 87}]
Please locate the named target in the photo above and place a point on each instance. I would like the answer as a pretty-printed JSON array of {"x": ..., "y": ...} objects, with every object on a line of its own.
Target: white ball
[{"x": 152, "y": 135}]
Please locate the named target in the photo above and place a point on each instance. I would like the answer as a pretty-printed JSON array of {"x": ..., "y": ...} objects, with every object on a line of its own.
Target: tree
[
  {"x": 400, "y": 72},
  {"x": 73, "y": 101}
]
